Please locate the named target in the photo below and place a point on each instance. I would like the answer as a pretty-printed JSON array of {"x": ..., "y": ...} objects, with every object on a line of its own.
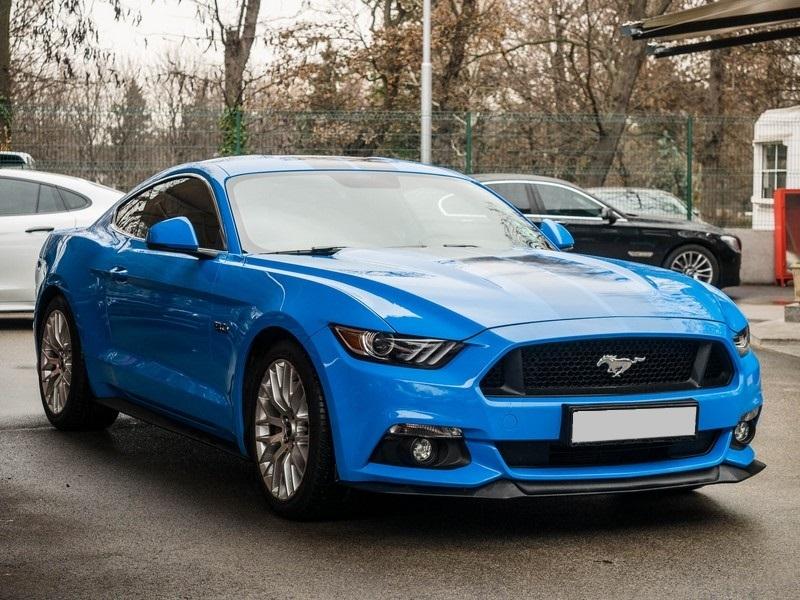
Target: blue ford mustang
[{"x": 391, "y": 326}]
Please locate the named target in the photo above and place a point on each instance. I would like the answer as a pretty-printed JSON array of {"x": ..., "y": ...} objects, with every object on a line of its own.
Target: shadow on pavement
[{"x": 196, "y": 478}]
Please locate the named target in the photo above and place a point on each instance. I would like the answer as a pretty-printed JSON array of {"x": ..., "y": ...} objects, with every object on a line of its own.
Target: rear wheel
[
  {"x": 696, "y": 262},
  {"x": 290, "y": 434},
  {"x": 63, "y": 384}
]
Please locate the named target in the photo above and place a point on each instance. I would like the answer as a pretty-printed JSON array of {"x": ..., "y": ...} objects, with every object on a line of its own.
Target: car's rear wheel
[
  {"x": 63, "y": 384},
  {"x": 290, "y": 434},
  {"x": 696, "y": 262}
]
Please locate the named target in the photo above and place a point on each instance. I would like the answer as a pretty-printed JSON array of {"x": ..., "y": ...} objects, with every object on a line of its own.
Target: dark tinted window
[
  {"x": 516, "y": 193},
  {"x": 566, "y": 202},
  {"x": 18, "y": 197},
  {"x": 49, "y": 200},
  {"x": 11, "y": 160},
  {"x": 72, "y": 200},
  {"x": 187, "y": 197}
]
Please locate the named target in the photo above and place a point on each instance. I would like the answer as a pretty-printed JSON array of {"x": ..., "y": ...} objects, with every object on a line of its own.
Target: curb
[{"x": 777, "y": 336}]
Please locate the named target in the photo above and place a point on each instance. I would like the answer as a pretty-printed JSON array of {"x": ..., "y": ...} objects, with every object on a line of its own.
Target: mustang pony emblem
[{"x": 617, "y": 366}]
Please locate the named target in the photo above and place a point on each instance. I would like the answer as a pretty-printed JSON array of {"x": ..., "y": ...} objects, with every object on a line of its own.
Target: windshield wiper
[
  {"x": 459, "y": 245},
  {"x": 313, "y": 251}
]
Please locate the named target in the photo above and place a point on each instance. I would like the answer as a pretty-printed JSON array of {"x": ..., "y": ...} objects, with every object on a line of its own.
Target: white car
[{"x": 32, "y": 204}]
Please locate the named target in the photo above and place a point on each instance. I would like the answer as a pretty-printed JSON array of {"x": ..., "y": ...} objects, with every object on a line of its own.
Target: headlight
[
  {"x": 742, "y": 341},
  {"x": 410, "y": 351},
  {"x": 732, "y": 242}
]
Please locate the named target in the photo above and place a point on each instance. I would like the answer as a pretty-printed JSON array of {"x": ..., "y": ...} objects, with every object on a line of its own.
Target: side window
[
  {"x": 49, "y": 200},
  {"x": 186, "y": 197},
  {"x": 129, "y": 215},
  {"x": 18, "y": 197},
  {"x": 514, "y": 192},
  {"x": 561, "y": 201},
  {"x": 72, "y": 200}
]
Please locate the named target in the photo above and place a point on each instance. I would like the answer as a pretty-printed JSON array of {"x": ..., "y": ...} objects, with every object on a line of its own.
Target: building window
[{"x": 773, "y": 168}]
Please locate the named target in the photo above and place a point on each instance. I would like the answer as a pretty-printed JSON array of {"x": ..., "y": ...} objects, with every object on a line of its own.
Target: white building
[{"x": 776, "y": 160}]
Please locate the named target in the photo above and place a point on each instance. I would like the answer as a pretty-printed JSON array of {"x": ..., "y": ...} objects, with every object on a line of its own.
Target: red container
[{"x": 787, "y": 232}]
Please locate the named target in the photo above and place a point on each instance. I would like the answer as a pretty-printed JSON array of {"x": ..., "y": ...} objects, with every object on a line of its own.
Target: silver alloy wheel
[
  {"x": 55, "y": 361},
  {"x": 282, "y": 430},
  {"x": 693, "y": 264}
]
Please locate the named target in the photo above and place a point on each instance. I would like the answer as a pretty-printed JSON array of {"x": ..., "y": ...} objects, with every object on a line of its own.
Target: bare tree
[
  {"x": 627, "y": 66},
  {"x": 237, "y": 38},
  {"x": 40, "y": 39}
]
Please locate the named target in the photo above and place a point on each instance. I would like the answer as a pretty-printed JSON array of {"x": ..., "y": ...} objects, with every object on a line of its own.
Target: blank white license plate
[{"x": 618, "y": 424}]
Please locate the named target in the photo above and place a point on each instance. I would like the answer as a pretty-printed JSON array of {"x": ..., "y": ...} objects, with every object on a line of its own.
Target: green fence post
[
  {"x": 689, "y": 152},
  {"x": 468, "y": 145},
  {"x": 238, "y": 131}
]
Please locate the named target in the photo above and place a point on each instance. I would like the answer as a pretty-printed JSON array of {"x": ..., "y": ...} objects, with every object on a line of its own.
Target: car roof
[
  {"x": 627, "y": 189},
  {"x": 521, "y": 177},
  {"x": 66, "y": 181},
  {"x": 242, "y": 165}
]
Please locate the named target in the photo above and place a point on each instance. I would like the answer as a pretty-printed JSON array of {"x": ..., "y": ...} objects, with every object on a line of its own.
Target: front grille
[
  {"x": 588, "y": 367},
  {"x": 558, "y": 454}
]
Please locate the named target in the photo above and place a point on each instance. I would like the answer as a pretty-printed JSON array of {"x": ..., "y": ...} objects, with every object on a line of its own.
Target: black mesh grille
[
  {"x": 557, "y": 454},
  {"x": 589, "y": 367},
  {"x": 494, "y": 378}
]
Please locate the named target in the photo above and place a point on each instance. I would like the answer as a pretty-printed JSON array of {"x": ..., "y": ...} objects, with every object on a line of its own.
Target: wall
[{"x": 758, "y": 253}]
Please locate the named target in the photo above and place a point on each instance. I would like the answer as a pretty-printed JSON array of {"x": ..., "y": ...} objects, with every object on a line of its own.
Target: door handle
[
  {"x": 119, "y": 274},
  {"x": 39, "y": 229}
]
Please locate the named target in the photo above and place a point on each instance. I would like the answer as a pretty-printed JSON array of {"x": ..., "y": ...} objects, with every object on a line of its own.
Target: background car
[
  {"x": 644, "y": 202},
  {"x": 696, "y": 249},
  {"x": 33, "y": 204},
  {"x": 16, "y": 160}
]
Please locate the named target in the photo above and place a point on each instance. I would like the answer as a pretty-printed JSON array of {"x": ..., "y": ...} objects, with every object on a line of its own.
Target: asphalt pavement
[{"x": 136, "y": 512}]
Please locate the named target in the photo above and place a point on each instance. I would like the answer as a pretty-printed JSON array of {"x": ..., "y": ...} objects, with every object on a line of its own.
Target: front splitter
[{"x": 505, "y": 488}]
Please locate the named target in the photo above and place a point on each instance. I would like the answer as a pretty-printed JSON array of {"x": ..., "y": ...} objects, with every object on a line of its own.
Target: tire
[
  {"x": 291, "y": 432},
  {"x": 694, "y": 261},
  {"x": 63, "y": 383}
]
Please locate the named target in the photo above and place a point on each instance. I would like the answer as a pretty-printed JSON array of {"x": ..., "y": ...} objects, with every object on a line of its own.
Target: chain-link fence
[{"x": 706, "y": 162}]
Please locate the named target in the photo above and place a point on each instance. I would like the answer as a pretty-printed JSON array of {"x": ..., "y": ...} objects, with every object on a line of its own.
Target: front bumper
[
  {"x": 366, "y": 399},
  {"x": 730, "y": 265}
]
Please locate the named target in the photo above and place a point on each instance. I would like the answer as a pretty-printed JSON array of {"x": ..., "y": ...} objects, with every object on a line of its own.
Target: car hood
[
  {"x": 667, "y": 223},
  {"x": 458, "y": 292}
]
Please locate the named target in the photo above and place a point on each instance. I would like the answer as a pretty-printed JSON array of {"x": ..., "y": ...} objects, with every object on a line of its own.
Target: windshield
[{"x": 281, "y": 212}]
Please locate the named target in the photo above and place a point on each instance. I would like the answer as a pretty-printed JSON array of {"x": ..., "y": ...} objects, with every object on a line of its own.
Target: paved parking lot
[{"x": 138, "y": 512}]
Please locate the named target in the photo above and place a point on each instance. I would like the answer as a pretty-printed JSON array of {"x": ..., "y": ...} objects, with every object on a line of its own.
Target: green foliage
[{"x": 234, "y": 134}]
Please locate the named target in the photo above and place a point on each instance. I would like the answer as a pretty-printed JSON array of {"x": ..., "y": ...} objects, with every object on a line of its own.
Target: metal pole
[
  {"x": 468, "y": 149},
  {"x": 425, "y": 95},
  {"x": 689, "y": 152}
]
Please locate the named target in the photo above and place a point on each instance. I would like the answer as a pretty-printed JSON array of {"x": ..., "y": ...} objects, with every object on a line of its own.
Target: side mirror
[
  {"x": 609, "y": 215},
  {"x": 175, "y": 235},
  {"x": 557, "y": 234}
]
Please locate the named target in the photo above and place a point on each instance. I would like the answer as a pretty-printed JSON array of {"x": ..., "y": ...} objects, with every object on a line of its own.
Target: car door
[
  {"x": 29, "y": 211},
  {"x": 159, "y": 303},
  {"x": 581, "y": 214}
]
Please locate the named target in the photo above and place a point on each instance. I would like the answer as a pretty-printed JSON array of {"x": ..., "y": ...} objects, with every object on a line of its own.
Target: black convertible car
[{"x": 699, "y": 250}]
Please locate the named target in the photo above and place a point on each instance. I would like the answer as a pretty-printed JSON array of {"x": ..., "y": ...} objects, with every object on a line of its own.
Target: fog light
[
  {"x": 751, "y": 415},
  {"x": 742, "y": 432},
  {"x": 422, "y": 450}
]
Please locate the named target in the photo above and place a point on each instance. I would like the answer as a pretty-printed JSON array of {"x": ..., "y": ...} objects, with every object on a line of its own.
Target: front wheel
[
  {"x": 290, "y": 434},
  {"x": 63, "y": 384},
  {"x": 696, "y": 262}
]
